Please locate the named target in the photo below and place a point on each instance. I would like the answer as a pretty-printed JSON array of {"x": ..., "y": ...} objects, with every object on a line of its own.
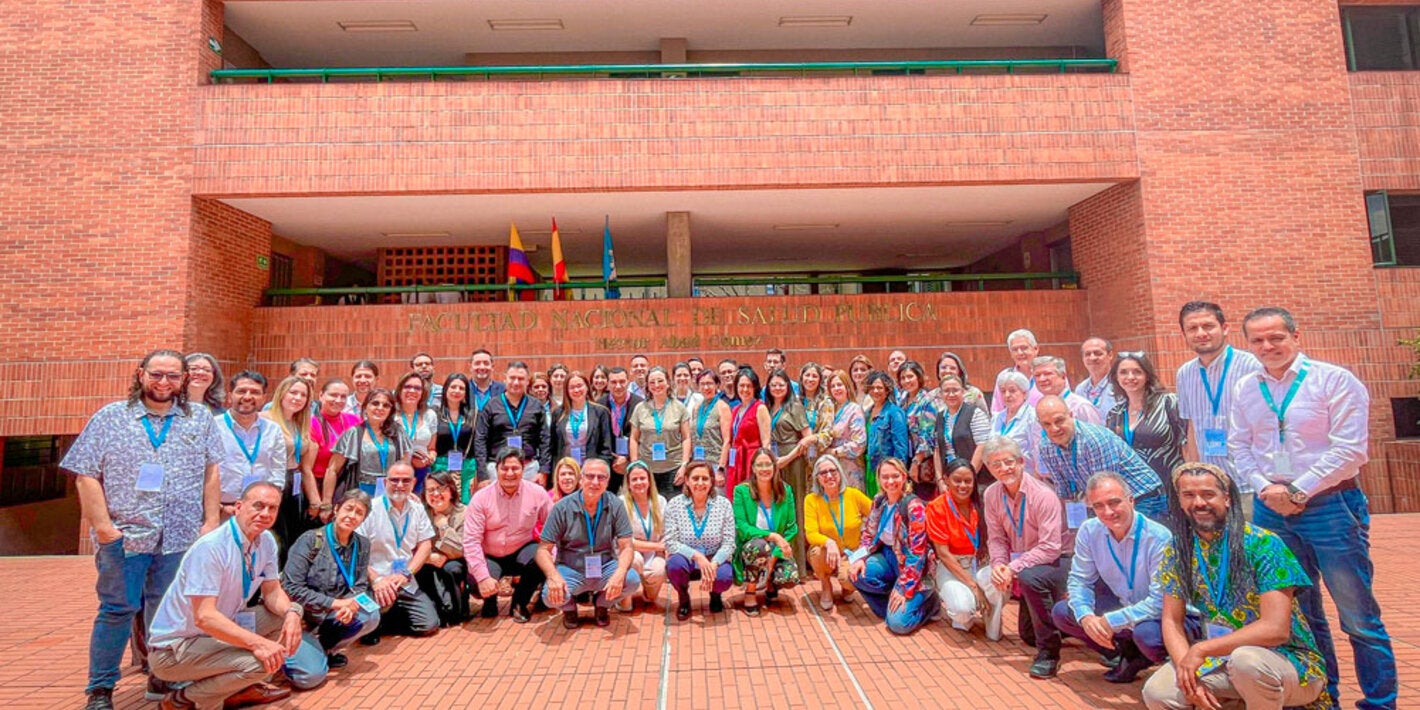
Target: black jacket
[
  {"x": 600, "y": 443},
  {"x": 495, "y": 425}
]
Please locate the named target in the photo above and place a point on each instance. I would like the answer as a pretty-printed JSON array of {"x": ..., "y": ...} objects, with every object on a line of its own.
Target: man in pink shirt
[
  {"x": 500, "y": 536},
  {"x": 1025, "y": 534}
]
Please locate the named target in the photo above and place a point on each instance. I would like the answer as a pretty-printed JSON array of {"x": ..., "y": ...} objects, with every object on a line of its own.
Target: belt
[{"x": 1349, "y": 484}]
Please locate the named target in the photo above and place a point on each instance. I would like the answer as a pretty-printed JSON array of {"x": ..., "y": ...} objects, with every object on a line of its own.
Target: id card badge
[
  {"x": 1215, "y": 443},
  {"x": 515, "y": 442},
  {"x": 1016, "y": 556},
  {"x": 1075, "y": 514},
  {"x": 247, "y": 620},
  {"x": 150, "y": 478},
  {"x": 857, "y": 555},
  {"x": 1216, "y": 630},
  {"x": 623, "y": 446},
  {"x": 593, "y": 567},
  {"x": 399, "y": 566},
  {"x": 658, "y": 451},
  {"x": 732, "y": 457},
  {"x": 379, "y": 486},
  {"x": 774, "y": 448},
  {"x": 699, "y": 453},
  {"x": 578, "y": 454},
  {"x": 366, "y": 603},
  {"x": 813, "y": 451},
  {"x": 1282, "y": 463},
  {"x": 455, "y": 460}
]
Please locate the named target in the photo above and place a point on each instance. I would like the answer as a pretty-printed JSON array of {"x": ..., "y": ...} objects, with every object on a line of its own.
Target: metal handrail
[
  {"x": 461, "y": 288},
  {"x": 325, "y": 74},
  {"x": 1064, "y": 276}
]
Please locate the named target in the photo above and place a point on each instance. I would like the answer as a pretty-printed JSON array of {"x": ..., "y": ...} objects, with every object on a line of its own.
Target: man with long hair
[
  {"x": 1257, "y": 647},
  {"x": 146, "y": 471}
]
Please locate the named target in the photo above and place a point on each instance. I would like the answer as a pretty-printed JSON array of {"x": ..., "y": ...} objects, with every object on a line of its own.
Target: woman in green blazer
[{"x": 765, "y": 527}]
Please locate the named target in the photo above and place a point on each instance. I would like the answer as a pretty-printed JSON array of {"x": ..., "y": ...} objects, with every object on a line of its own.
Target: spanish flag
[
  {"x": 519, "y": 270},
  {"x": 559, "y": 266}
]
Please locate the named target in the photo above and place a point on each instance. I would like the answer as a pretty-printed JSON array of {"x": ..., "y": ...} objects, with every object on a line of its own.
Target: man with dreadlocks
[
  {"x": 146, "y": 471},
  {"x": 1257, "y": 646}
]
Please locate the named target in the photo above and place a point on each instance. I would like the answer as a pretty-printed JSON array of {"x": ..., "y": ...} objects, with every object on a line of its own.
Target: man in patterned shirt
[
  {"x": 146, "y": 472},
  {"x": 1073, "y": 450},
  {"x": 1258, "y": 647}
]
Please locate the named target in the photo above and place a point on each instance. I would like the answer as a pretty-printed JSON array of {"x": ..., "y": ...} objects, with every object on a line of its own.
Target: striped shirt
[{"x": 1193, "y": 401}]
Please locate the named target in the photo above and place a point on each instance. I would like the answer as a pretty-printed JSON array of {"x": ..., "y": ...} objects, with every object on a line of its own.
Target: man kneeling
[
  {"x": 208, "y": 633},
  {"x": 586, "y": 529}
]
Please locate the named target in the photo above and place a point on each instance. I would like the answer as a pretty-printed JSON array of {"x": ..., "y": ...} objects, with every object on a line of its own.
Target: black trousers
[
  {"x": 520, "y": 564},
  {"x": 445, "y": 587}
]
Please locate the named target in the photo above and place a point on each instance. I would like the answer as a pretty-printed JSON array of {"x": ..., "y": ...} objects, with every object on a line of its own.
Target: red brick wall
[
  {"x": 227, "y": 280},
  {"x": 1386, "y": 106},
  {"x": 659, "y": 134}
]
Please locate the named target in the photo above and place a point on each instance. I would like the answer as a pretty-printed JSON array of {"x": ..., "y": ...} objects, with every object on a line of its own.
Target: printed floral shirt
[
  {"x": 1275, "y": 568},
  {"x": 909, "y": 542},
  {"x": 921, "y": 423}
]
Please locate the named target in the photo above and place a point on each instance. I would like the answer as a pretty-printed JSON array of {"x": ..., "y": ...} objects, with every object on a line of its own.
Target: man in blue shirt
[
  {"x": 1113, "y": 605},
  {"x": 1072, "y": 450}
]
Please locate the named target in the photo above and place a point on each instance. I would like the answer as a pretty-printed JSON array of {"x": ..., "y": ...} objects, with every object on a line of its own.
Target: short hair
[
  {"x": 776, "y": 351},
  {"x": 728, "y": 361},
  {"x": 355, "y": 495},
  {"x": 997, "y": 444},
  {"x": 252, "y": 375},
  {"x": 365, "y": 365},
  {"x": 642, "y": 356},
  {"x": 298, "y": 362},
  {"x": 837, "y": 466},
  {"x": 1012, "y": 377},
  {"x": 506, "y": 453},
  {"x": 1057, "y": 362},
  {"x": 399, "y": 465},
  {"x": 1200, "y": 306},
  {"x": 879, "y": 375},
  {"x": 246, "y": 492},
  {"x": 603, "y": 464},
  {"x": 480, "y": 351},
  {"x": 1271, "y": 312},
  {"x": 1100, "y": 477},
  {"x": 1022, "y": 333},
  {"x": 516, "y": 365},
  {"x": 1108, "y": 346},
  {"x": 418, "y": 355},
  {"x": 707, "y": 372},
  {"x": 616, "y": 370},
  {"x": 690, "y": 468},
  {"x": 693, "y": 359}
]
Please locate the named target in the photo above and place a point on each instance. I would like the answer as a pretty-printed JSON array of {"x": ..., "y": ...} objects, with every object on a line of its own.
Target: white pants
[{"x": 958, "y": 601}]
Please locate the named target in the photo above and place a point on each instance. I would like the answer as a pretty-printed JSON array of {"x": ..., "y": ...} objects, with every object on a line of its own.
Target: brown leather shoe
[{"x": 259, "y": 694}]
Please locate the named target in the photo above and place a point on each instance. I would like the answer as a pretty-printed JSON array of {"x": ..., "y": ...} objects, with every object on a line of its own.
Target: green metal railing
[
  {"x": 460, "y": 288},
  {"x": 1008, "y": 66},
  {"x": 1069, "y": 278}
]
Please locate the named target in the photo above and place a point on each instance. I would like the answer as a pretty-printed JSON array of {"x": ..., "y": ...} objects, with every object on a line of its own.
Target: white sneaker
[{"x": 993, "y": 621}]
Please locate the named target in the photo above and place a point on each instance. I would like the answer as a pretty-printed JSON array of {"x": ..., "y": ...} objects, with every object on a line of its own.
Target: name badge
[
  {"x": 1075, "y": 514},
  {"x": 379, "y": 486},
  {"x": 699, "y": 452},
  {"x": 658, "y": 451},
  {"x": 1217, "y": 630},
  {"x": 455, "y": 460},
  {"x": 1215, "y": 443},
  {"x": 813, "y": 451},
  {"x": 247, "y": 620},
  {"x": 593, "y": 567},
  {"x": 1282, "y": 463},
  {"x": 858, "y": 554},
  {"x": 399, "y": 566},
  {"x": 367, "y": 604},
  {"x": 578, "y": 454},
  {"x": 623, "y": 446},
  {"x": 249, "y": 479},
  {"x": 733, "y": 457},
  {"x": 515, "y": 442},
  {"x": 150, "y": 478},
  {"x": 1016, "y": 556},
  {"x": 774, "y": 448}
]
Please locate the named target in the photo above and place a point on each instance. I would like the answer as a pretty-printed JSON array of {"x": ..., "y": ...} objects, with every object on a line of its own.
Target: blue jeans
[
  {"x": 1332, "y": 536},
  {"x": 576, "y": 585},
  {"x": 124, "y": 582},
  {"x": 1146, "y": 636},
  {"x": 334, "y": 635},
  {"x": 879, "y": 576}
]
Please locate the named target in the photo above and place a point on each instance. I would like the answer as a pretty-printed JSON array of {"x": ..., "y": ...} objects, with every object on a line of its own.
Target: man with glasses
[
  {"x": 1098, "y": 356},
  {"x": 728, "y": 369},
  {"x": 401, "y": 538},
  {"x": 591, "y": 534},
  {"x": 146, "y": 472},
  {"x": 499, "y": 536},
  {"x": 253, "y": 447},
  {"x": 517, "y": 420}
]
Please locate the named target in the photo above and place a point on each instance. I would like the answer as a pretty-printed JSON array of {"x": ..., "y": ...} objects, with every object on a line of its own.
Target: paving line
[
  {"x": 813, "y": 606},
  {"x": 665, "y": 663}
]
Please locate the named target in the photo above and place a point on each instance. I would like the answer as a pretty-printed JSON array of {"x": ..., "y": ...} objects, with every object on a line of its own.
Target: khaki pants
[
  {"x": 818, "y": 561},
  {"x": 216, "y": 670},
  {"x": 1254, "y": 677}
]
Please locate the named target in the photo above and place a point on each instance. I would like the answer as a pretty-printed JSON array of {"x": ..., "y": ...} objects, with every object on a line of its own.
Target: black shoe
[
  {"x": 100, "y": 699},
  {"x": 771, "y": 595},
  {"x": 603, "y": 616},
  {"x": 490, "y": 608},
  {"x": 1127, "y": 670},
  {"x": 520, "y": 614},
  {"x": 336, "y": 660},
  {"x": 1111, "y": 659},
  {"x": 717, "y": 603},
  {"x": 157, "y": 690},
  {"x": 370, "y": 640},
  {"x": 569, "y": 619},
  {"x": 682, "y": 610},
  {"x": 1046, "y": 665}
]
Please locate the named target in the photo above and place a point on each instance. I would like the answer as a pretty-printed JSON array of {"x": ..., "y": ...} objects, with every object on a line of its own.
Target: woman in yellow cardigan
[
  {"x": 833, "y": 519},
  {"x": 765, "y": 525}
]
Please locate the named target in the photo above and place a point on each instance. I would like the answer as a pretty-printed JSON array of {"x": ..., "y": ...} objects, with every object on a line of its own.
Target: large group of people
[{"x": 248, "y": 538}]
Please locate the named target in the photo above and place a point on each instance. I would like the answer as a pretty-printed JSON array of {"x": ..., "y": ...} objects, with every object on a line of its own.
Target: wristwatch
[
  {"x": 1297, "y": 495},
  {"x": 296, "y": 608}
]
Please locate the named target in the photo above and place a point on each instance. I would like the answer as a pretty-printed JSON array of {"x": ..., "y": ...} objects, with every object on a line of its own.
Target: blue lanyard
[
  {"x": 768, "y": 515},
  {"x": 410, "y": 425},
  {"x": 297, "y": 436},
  {"x": 346, "y": 571},
  {"x": 481, "y": 401},
  {"x": 1281, "y": 412},
  {"x": 617, "y": 413},
  {"x": 1134, "y": 554},
  {"x": 383, "y": 448},
  {"x": 812, "y": 415},
  {"x": 1097, "y": 393},
  {"x": 701, "y": 416},
  {"x": 592, "y": 525},
  {"x": 1217, "y": 584},
  {"x": 1007, "y": 424},
  {"x": 838, "y": 415},
  {"x": 398, "y": 534},
  {"x": 1128, "y": 430},
  {"x": 887, "y": 516},
  {"x": 646, "y": 524},
  {"x": 744, "y": 409},
  {"x": 971, "y": 533},
  {"x": 577, "y": 418},
  {"x": 1215, "y": 397},
  {"x": 248, "y": 563},
  {"x": 157, "y": 439},
  {"x": 697, "y": 527},
  {"x": 518, "y": 416},
  {"x": 1018, "y": 523},
  {"x": 231, "y": 426},
  {"x": 774, "y": 420},
  {"x": 839, "y": 519},
  {"x": 656, "y": 414},
  {"x": 458, "y": 429}
]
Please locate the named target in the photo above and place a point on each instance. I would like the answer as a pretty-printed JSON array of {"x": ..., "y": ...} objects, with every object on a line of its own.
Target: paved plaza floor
[{"x": 791, "y": 656}]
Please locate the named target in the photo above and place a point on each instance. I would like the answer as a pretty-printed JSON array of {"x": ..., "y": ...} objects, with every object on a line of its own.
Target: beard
[
  {"x": 1210, "y": 524},
  {"x": 154, "y": 396}
]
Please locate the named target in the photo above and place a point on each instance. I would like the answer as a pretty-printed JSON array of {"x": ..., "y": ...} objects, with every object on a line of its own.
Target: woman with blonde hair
[
  {"x": 646, "y": 508},
  {"x": 300, "y": 503}
]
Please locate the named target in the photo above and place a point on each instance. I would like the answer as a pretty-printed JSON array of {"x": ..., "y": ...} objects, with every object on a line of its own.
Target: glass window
[{"x": 1382, "y": 38}]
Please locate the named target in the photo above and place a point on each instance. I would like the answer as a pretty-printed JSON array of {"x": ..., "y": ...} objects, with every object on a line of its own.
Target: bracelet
[
  {"x": 327, "y": 506},
  {"x": 295, "y": 608}
]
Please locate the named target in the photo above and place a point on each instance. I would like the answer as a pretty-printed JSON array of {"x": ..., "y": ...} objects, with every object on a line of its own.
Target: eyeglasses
[
  {"x": 398, "y": 482},
  {"x": 413, "y": 388},
  {"x": 160, "y": 376},
  {"x": 596, "y": 477},
  {"x": 199, "y": 368}
]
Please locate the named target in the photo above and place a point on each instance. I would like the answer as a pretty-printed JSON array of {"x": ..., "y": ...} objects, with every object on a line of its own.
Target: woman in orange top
[{"x": 955, "y": 529}]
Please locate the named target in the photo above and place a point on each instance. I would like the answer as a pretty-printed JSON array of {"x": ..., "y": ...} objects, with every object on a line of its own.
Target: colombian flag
[
  {"x": 519, "y": 270},
  {"x": 559, "y": 266}
]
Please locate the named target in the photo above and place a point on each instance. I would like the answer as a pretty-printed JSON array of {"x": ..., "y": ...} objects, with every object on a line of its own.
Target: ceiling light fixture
[
  {"x": 803, "y": 227},
  {"x": 525, "y": 25},
  {"x": 1008, "y": 19},
  {"x": 816, "y": 21},
  {"x": 378, "y": 26}
]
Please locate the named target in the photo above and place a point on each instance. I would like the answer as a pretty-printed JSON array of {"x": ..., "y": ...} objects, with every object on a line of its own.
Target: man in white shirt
[
  {"x": 1024, "y": 349},
  {"x": 1049, "y": 375},
  {"x": 401, "y": 538},
  {"x": 253, "y": 447},
  {"x": 1299, "y": 432},
  {"x": 1098, "y": 356},
  {"x": 207, "y": 633}
]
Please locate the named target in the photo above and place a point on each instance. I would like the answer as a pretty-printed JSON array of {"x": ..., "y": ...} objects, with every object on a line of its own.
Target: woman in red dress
[{"x": 749, "y": 428}]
